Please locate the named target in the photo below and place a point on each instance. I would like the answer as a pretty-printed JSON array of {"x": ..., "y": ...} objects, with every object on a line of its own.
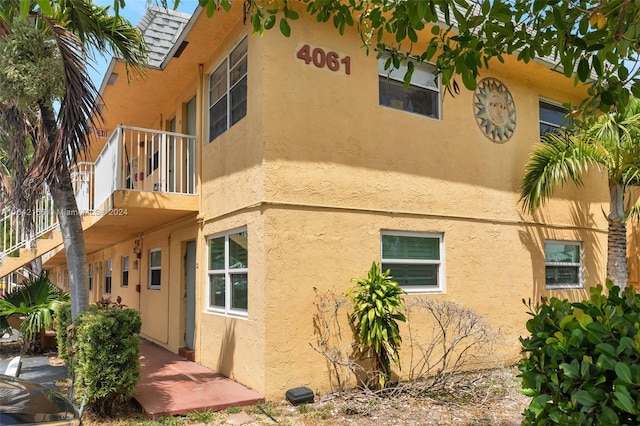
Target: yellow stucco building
[{"x": 244, "y": 171}]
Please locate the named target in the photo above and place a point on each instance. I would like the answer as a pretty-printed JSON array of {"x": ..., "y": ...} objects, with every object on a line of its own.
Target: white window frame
[
  {"x": 155, "y": 268},
  {"x": 440, "y": 289},
  {"x": 108, "y": 279},
  {"x": 124, "y": 263},
  {"x": 579, "y": 265},
  {"x": 227, "y": 309},
  {"x": 226, "y": 62},
  {"x": 420, "y": 70}
]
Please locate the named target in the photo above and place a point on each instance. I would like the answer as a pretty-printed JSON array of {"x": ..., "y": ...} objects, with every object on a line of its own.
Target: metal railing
[
  {"x": 133, "y": 159},
  {"x": 146, "y": 160},
  {"x": 13, "y": 229}
]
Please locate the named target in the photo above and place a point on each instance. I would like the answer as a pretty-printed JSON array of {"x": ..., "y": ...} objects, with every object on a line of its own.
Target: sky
[{"x": 133, "y": 11}]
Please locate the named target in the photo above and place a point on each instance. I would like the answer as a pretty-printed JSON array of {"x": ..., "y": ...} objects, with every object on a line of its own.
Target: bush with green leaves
[
  {"x": 377, "y": 308},
  {"x": 107, "y": 352},
  {"x": 582, "y": 365},
  {"x": 63, "y": 335}
]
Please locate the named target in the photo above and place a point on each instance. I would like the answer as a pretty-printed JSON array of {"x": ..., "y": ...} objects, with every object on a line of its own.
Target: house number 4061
[{"x": 322, "y": 59}]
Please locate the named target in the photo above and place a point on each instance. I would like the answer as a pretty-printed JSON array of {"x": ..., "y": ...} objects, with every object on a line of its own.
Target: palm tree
[
  {"x": 611, "y": 145},
  {"x": 48, "y": 102}
]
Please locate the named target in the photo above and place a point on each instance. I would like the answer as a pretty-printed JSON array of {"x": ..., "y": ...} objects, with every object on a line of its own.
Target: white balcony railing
[
  {"x": 133, "y": 159},
  {"x": 13, "y": 231},
  {"x": 145, "y": 160}
]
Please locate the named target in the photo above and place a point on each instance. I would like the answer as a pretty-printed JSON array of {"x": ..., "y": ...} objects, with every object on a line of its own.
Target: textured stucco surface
[{"x": 316, "y": 170}]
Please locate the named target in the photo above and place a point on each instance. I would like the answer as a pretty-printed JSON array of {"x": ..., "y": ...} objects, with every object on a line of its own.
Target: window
[
  {"x": 155, "y": 268},
  {"x": 228, "y": 92},
  {"x": 421, "y": 97},
  {"x": 90, "y": 276},
  {"x": 227, "y": 270},
  {"x": 552, "y": 117},
  {"x": 563, "y": 264},
  {"x": 416, "y": 260},
  {"x": 125, "y": 272},
  {"x": 107, "y": 276}
]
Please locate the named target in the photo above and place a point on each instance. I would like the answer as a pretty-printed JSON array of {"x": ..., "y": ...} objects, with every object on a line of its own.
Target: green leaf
[
  {"x": 468, "y": 79},
  {"x": 269, "y": 22},
  {"x": 285, "y": 29},
  {"x": 622, "y": 399},
  {"x": 45, "y": 6},
  {"x": 572, "y": 370},
  {"x": 583, "y": 398},
  {"x": 583, "y": 69},
  {"x": 624, "y": 372}
]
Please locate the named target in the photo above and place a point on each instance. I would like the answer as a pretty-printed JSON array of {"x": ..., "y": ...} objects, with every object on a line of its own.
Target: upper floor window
[
  {"x": 228, "y": 91},
  {"x": 416, "y": 260},
  {"x": 421, "y": 97},
  {"x": 552, "y": 117},
  {"x": 228, "y": 265},
  {"x": 563, "y": 264}
]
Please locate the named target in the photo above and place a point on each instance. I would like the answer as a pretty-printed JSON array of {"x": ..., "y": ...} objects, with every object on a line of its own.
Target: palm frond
[
  {"x": 556, "y": 160},
  {"x": 106, "y": 33}
]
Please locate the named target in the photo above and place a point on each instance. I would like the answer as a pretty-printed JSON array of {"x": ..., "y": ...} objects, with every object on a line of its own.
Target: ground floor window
[
  {"x": 107, "y": 276},
  {"x": 416, "y": 260},
  {"x": 90, "y": 276},
  {"x": 125, "y": 271},
  {"x": 563, "y": 264},
  {"x": 228, "y": 263},
  {"x": 155, "y": 268}
]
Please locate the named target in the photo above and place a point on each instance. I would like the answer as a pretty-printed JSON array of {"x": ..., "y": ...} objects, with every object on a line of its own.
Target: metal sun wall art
[{"x": 494, "y": 110}]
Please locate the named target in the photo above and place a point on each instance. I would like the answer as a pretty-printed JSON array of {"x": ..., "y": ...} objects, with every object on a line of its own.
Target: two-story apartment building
[{"x": 244, "y": 171}]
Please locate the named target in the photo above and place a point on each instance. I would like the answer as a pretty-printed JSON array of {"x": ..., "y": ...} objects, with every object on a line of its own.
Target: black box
[{"x": 301, "y": 395}]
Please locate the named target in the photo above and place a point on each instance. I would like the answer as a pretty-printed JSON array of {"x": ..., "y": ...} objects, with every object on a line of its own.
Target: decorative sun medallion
[{"x": 494, "y": 110}]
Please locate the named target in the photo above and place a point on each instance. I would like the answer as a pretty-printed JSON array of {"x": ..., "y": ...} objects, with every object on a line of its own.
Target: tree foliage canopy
[{"x": 592, "y": 42}]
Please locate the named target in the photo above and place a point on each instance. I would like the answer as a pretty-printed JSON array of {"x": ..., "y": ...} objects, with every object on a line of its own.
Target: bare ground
[{"x": 490, "y": 398}]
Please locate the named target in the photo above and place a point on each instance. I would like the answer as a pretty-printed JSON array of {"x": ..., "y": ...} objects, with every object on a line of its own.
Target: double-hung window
[
  {"x": 421, "y": 97},
  {"x": 125, "y": 271},
  {"x": 107, "y": 276},
  {"x": 228, "y": 265},
  {"x": 416, "y": 260},
  {"x": 228, "y": 91},
  {"x": 563, "y": 264},
  {"x": 552, "y": 117},
  {"x": 155, "y": 268}
]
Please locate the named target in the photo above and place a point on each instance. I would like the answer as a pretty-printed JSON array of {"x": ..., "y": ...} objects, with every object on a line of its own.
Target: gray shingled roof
[{"x": 161, "y": 28}]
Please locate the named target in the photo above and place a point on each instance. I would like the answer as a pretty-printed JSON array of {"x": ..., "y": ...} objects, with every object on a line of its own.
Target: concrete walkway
[{"x": 172, "y": 385}]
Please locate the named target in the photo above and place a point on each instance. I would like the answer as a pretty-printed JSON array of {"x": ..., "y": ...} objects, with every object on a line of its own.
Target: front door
[{"x": 190, "y": 295}]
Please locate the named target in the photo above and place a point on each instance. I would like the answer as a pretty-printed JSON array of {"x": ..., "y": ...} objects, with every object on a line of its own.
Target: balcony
[{"x": 141, "y": 180}]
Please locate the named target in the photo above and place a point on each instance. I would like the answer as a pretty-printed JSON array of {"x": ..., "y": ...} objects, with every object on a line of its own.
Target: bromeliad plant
[{"x": 378, "y": 306}]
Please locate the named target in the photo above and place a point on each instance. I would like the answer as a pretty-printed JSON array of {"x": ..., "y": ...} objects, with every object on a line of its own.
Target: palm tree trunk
[
  {"x": 70, "y": 221},
  {"x": 617, "y": 270},
  {"x": 73, "y": 238}
]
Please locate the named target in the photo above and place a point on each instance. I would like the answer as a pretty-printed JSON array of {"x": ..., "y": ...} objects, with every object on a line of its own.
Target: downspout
[{"x": 200, "y": 249}]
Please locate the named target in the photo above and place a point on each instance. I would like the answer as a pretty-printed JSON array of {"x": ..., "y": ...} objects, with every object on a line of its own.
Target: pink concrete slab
[{"x": 171, "y": 385}]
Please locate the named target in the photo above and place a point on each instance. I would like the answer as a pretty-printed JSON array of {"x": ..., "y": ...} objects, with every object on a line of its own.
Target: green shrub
[
  {"x": 377, "y": 308},
  {"x": 107, "y": 352},
  {"x": 63, "y": 320},
  {"x": 582, "y": 365}
]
